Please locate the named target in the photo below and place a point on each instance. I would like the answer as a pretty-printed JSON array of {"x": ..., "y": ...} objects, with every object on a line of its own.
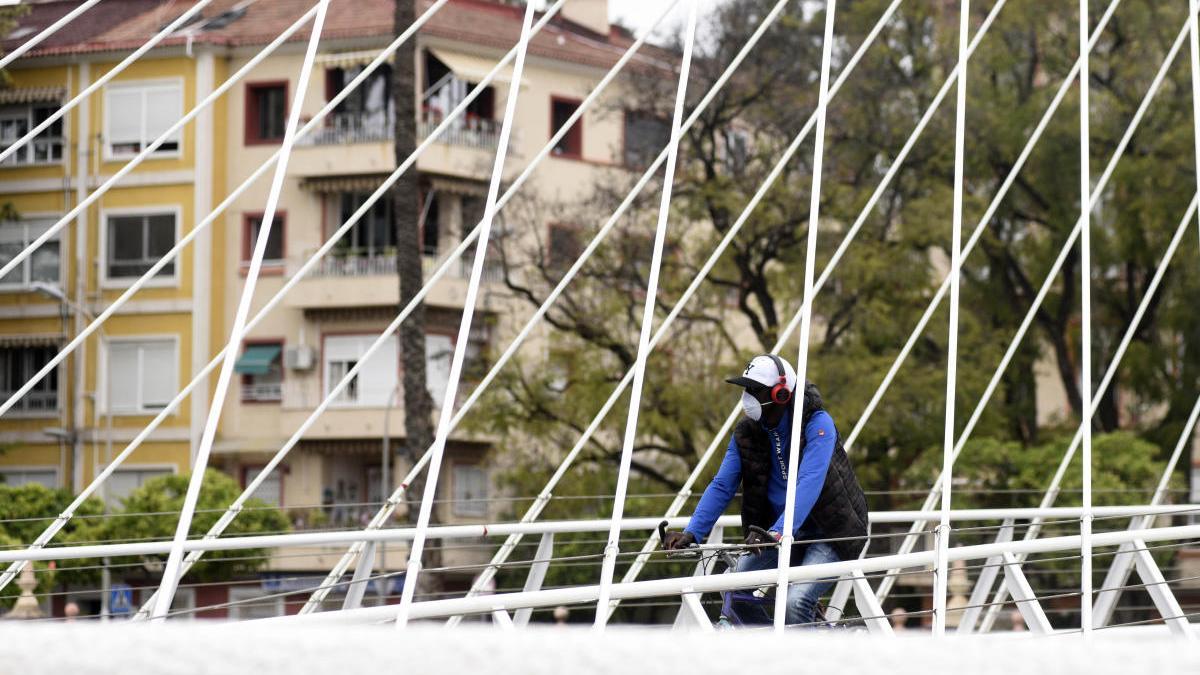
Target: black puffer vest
[{"x": 841, "y": 509}]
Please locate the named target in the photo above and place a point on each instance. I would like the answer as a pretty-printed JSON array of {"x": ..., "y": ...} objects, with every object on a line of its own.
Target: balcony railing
[
  {"x": 471, "y": 132},
  {"x": 263, "y": 392},
  {"x": 384, "y": 264},
  {"x": 348, "y": 128},
  {"x": 353, "y": 127},
  {"x": 34, "y": 401}
]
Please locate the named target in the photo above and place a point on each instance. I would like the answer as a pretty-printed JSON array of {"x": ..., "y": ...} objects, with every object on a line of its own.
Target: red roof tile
[{"x": 122, "y": 25}]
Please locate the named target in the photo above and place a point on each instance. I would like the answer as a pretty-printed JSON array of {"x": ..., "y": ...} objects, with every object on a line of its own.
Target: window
[
  {"x": 645, "y": 136},
  {"x": 430, "y": 221},
  {"x": 136, "y": 241},
  {"x": 366, "y": 113},
  {"x": 17, "y": 477},
  {"x": 42, "y": 265},
  {"x": 122, "y": 482},
  {"x": 469, "y": 484},
  {"x": 266, "y": 112},
  {"x": 374, "y": 383},
  {"x": 143, "y": 374},
  {"x": 262, "y": 372},
  {"x": 374, "y": 235},
  {"x": 16, "y": 121},
  {"x": 563, "y": 246},
  {"x": 439, "y": 351},
  {"x": 274, "y": 255},
  {"x": 271, "y": 489},
  {"x": 17, "y": 365},
  {"x": 137, "y": 114},
  {"x": 571, "y": 144}
]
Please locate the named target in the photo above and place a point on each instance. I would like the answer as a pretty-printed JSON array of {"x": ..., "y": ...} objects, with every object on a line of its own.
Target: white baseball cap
[{"x": 763, "y": 370}]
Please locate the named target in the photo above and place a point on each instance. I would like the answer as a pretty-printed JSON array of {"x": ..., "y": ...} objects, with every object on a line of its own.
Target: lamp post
[{"x": 57, "y": 293}]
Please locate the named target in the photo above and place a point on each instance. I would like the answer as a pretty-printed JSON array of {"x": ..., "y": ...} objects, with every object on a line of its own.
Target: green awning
[{"x": 257, "y": 359}]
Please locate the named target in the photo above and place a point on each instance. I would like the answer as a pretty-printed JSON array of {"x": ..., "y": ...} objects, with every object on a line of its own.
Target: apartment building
[{"x": 94, "y": 403}]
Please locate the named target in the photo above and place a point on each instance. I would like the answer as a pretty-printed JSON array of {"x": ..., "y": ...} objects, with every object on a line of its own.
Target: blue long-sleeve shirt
[{"x": 820, "y": 441}]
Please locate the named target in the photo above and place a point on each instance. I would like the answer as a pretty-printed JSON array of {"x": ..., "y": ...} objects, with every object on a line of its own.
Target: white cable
[
  {"x": 1085, "y": 260},
  {"x": 317, "y": 119},
  {"x": 1055, "y": 483},
  {"x": 1194, "y": 34},
  {"x": 810, "y": 263},
  {"x": 171, "y": 574},
  {"x": 934, "y": 494},
  {"x": 413, "y": 568},
  {"x": 942, "y": 568},
  {"x": 386, "y": 511},
  {"x": 46, "y": 32},
  {"x": 639, "y": 369},
  {"x": 82, "y": 206},
  {"x": 1027, "y": 321}
]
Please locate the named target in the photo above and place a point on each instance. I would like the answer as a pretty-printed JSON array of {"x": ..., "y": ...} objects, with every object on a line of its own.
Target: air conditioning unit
[{"x": 299, "y": 358}]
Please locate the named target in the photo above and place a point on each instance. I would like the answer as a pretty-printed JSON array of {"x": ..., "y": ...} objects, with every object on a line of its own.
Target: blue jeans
[{"x": 802, "y": 596}]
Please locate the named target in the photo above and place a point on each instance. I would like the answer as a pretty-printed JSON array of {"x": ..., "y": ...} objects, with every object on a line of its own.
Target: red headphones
[{"x": 780, "y": 394}]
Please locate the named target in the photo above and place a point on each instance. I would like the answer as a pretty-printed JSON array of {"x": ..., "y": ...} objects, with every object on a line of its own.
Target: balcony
[
  {"x": 371, "y": 265},
  {"x": 266, "y": 392},
  {"x": 34, "y": 403},
  {"x": 350, "y": 128}
]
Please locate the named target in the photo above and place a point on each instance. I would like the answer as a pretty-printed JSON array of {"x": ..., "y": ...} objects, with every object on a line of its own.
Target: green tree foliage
[
  {"x": 151, "y": 511},
  {"x": 25, "y": 511}
]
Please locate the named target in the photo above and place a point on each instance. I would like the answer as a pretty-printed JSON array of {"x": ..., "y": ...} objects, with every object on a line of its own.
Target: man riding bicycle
[{"x": 830, "y": 504}]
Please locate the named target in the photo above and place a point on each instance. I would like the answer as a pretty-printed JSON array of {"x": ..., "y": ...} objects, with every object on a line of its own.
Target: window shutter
[
  {"x": 123, "y": 376},
  {"x": 159, "y": 374},
  {"x": 124, "y": 116},
  {"x": 164, "y": 106},
  {"x": 271, "y": 490},
  {"x": 378, "y": 376}
]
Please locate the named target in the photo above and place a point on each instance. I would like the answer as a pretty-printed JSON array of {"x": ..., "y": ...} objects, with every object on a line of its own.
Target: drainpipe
[{"x": 82, "y": 118}]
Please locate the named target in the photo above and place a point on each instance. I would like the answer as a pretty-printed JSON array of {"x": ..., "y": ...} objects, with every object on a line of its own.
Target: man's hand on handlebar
[
  {"x": 756, "y": 536},
  {"x": 673, "y": 541}
]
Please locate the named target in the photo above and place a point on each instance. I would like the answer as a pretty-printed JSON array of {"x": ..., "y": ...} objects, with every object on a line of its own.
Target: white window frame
[
  {"x": 11, "y": 112},
  {"x": 165, "y": 281},
  {"x": 27, "y": 219},
  {"x": 106, "y": 380},
  {"x": 20, "y": 468},
  {"x": 328, "y": 380},
  {"x": 143, "y": 86}
]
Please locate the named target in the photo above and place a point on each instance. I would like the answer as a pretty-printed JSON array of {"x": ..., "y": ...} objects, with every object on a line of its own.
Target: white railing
[
  {"x": 41, "y": 150},
  {"x": 264, "y": 392},
  {"x": 473, "y": 132},
  {"x": 346, "y": 128},
  {"x": 35, "y": 401},
  {"x": 349, "y": 128},
  {"x": 384, "y": 264}
]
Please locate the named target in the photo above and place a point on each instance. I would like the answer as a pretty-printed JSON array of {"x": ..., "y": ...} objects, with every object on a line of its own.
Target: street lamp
[{"x": 57, "y": 293}]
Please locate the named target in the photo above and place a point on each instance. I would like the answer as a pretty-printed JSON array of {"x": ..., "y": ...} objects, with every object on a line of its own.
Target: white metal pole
[
  {"x": 612, "y": 548},
  {"x": 46, "y": 32},
  {"x": 171, "y": 574},
  {"x": 413, "y": 569},
  {"x": 1085, "y": 201},
  {"x": 943, "y": 530},
  {"x": 788, "y": 536}
]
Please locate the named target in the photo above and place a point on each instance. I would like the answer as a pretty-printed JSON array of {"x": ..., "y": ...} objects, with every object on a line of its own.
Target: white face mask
[{"x": 751, "y": 406}]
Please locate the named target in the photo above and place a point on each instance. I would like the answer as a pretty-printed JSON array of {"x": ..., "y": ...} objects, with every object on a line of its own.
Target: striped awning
[
  {"x": 17, "y": 95},
  {"x": 458, "y": 186},
  {"x": 257, "y": 359},
  {"x": 348, "y": 59},
  {"x": 368, "y": 182},
  {"x": 31, "y": 340}
]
